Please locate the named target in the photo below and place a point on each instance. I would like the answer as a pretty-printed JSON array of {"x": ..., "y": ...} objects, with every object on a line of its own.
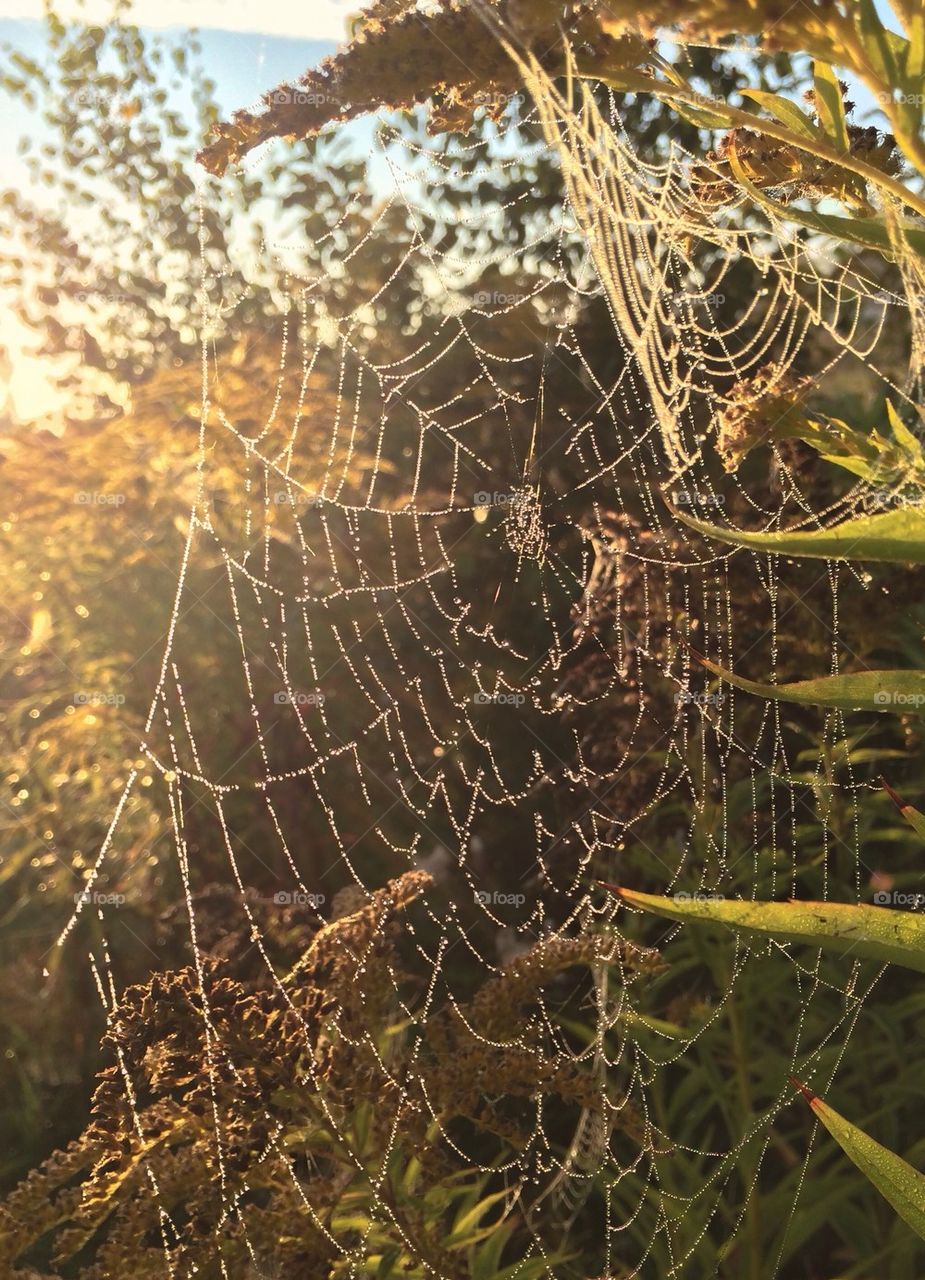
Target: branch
[
  {"x": 637, "y": 82},
  {"x": 396, "y": 62}
]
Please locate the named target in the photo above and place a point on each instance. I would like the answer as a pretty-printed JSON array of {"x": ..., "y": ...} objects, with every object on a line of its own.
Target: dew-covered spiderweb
[{"x": 468, "y": 607}]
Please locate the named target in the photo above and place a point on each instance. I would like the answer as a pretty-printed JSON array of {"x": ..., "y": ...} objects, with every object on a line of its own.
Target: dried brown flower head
[
  {"x": 760, "y": 410},
  {"x": 221, "y": 1093},
  {"x": 400, "y": 57}
]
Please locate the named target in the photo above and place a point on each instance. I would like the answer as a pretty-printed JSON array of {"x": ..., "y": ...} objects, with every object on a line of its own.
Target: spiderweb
[{"x": 487, "y": 674}]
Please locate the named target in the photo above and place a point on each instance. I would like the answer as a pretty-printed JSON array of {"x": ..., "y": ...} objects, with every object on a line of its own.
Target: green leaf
[
  {"x": 488, "y": 1256},
  {"x": 901, "y": 691},
  {"x": 893, "y": 1176},
  {"x": 830, "y": 107},
  {"x": 887, "y": 53},
  {"x": 915, "y": 819},
  {"x": 873, "y": 233},
  {"x": 814, "y": 1213},
  {"x": 855, "y": 931},
  {"x": 529, "y": 1269},
  {"x": 706, "y": 116},
  {"x": 701, "y": 117},
  {"x": 785, "y": 111},
  {"x": 915, "y": 62},
  {"x": 857, "y": 466},
  {"x": 633, "y": 1018},
  {"x": 902, "y": 434},
  {"x": 897, "y": 536},
  {"x": 389, "y": 1259},
  {"x": 360, "y": 1222},
  {"x": 465, "y": 1227}
]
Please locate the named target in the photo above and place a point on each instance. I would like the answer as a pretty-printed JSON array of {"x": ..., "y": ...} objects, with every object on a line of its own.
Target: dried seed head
[{"x": 760, "y": 410}]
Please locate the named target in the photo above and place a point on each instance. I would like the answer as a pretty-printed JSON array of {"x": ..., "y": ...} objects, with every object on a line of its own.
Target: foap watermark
[
  {"x": 495, "y": 298},
  {"x": 296, "y": 898},
  {"x": 898, "y": 698},
  {"x": 696, "y": 498},
  {"x": 312, "y": 698},
  {"x": 94, "y": 498},
  {"x": 90, "y": 898},
  {"x": 698, "y": 895},
  {"x": 100, "y": 295},
  {"x": 483, "y": 498},
  {"x": 901, "y": 99},
  {"x": 302, "y": 98},
  {"x": 702, "y": 100},
  {"x": 688, "y": 697},
  {"x": 681, "y": 300},
  {"x": 884, "y": 499},
  {"x": 499, "y": 699},
  {"x": 496, "y": 102},
  {"x": 498, "y": 899},
  {"x": 98, "y": 698},
  {"x": 293, "y": 498},
  {"x": 899, "y": 898}
]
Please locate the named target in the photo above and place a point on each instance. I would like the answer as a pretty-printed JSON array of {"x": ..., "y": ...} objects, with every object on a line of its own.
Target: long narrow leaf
[
  {"x": 915, "y": 63},
  {"x": 469, "y": 1220},
  {"x": 529, "y": 1269},
  {"x": 893, "y": 1176},
  {"x": 914, "y": 817},
  {"x": 880, "y": 45},
  {"x": 830, "y": 107},
  {"x": 900, "y": 692},
  {"x": 873, "y": 233},
  {"x": 856, "y": 931},
  {"x": 902, "y": 434},
  {"x": 702, "y": 117},
  {"x": 897, "y": 536},
  {"x": 785, "y": 111}
]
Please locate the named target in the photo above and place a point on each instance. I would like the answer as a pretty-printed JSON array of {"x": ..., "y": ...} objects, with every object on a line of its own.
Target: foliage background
[{"x": 91, "y": 583}]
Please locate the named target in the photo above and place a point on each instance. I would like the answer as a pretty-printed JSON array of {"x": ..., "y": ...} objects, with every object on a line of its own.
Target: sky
[
  {"x": 247, "y": 49},
  {"x": 249, "y": 46},
  {"x": 295, "y": 19}
]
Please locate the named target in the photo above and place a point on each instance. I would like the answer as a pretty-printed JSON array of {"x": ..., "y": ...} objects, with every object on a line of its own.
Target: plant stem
[
  {"x": 636, "y": 82},
  {"x": 752, "y": 1208}
]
